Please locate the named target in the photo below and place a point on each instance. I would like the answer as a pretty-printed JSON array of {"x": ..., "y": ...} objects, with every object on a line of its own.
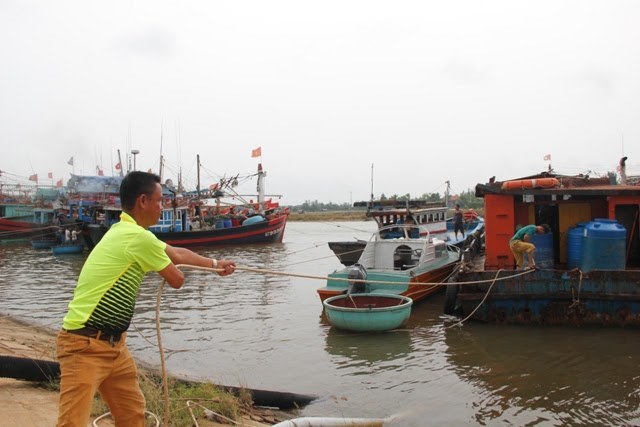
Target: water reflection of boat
[
  {"x": 559, "y": 375},
  {"x": 369, "y": 348}
]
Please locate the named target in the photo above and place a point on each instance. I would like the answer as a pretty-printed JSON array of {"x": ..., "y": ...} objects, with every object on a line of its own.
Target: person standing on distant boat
[
  {"x": 520, "y": 243},
  {"x": 91, "y": 346},
  {"x": 458, "y": 224}
]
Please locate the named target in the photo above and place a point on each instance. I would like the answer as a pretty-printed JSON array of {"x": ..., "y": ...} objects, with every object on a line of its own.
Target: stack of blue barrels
[{"x": 603, "y": 245}]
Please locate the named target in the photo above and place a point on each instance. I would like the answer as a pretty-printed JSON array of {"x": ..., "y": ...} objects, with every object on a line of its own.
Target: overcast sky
[{"x": 426, "y": 91}]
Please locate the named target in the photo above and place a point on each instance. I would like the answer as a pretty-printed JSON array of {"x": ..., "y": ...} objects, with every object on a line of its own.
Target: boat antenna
[
  {"x": 446, "y": 193},
  {"x": 198, "y": 164},
  {"x": 160, "y": 171},
  {"x": 371, "y": 183}
]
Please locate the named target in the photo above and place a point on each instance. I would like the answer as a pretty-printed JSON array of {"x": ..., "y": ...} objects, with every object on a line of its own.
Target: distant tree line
[{"x": 466, "y": 199}]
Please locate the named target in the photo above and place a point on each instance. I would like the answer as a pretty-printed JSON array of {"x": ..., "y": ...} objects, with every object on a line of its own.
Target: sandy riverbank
[
  {"x": 29, "y": 404},
  {"x": 22, "y": 402}
]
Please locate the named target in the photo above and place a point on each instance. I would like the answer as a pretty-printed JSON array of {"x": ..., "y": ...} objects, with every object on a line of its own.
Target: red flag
[
  {"x": 256, "y": 152},
  {"x": 59, "y": 183},
  {"x": 547, "y": 157},
  {"x": 50, "y": 175},
  {"x": 100, "y": 172},
  {"x": 118, "y": 166},
  {"x": 33, "y": 177}
]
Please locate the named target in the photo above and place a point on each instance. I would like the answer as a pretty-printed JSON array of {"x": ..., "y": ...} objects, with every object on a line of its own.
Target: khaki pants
[
  {"x": 88, "y": 365},
  {"x": 519, "y": 248}
]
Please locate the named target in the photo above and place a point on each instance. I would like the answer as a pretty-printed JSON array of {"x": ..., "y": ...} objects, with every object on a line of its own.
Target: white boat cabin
[{"x": 402, "y": 253}]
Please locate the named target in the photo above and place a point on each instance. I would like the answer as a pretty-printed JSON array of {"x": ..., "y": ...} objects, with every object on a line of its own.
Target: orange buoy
[{"x": 521, "y": 184}]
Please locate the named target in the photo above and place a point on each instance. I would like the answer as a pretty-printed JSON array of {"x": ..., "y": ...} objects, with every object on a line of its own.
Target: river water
[{"x": 267, "y": 331}]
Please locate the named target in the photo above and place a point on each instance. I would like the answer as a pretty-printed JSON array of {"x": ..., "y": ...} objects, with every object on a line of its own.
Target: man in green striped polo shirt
[{"x": 91, "y": 345}]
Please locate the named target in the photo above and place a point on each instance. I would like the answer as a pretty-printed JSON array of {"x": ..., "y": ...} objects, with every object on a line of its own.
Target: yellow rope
[
  {"x": 165, "y": 384},
  {"x": 378, "y": 282}
]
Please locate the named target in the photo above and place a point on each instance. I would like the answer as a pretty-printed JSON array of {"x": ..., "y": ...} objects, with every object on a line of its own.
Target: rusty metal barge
[{"x": 588, "y": 265}]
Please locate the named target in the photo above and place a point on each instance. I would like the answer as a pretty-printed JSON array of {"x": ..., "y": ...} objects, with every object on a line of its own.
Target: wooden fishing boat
[
  {"x": 21, "y": 222},
  {"x": 590, "y": 258},
  {"x": 368, "y": 312},
  {"x": 400, "y": 266},
  {"x": 68, "y": 248},
  {"x": 429, "y": 217},
  {"x": 190, "y": 222},
  {"x": 268, "y": 228}
]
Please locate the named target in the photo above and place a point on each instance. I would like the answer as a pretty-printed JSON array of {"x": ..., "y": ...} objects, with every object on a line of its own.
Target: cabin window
[
  {"x": 430, "y": 217},
  {"x": 440, "y": 249}
]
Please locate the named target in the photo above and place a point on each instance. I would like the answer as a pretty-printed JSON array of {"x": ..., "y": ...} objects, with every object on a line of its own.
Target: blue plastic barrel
[
  {"x": 253, "y": 220},
  {"x": 227, "y": 223},
  {"x": 603, "y": 245},
  {"x": 574, "y": 245},
  {"x": 544, "y": 250}
]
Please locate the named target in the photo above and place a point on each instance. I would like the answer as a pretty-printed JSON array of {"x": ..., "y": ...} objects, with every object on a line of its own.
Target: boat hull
[
  {"x": 44, "y": 243},
  {"x": 68, "y": 249},
  {"x": 551, "y": 297},
  {"x": 368, "y": 312},
  {"x": 19, "y": 230},
  {"x": 397, "y": 283},
  {"x": 268, "y": 231},
  {"x": 348, "y": 252}
]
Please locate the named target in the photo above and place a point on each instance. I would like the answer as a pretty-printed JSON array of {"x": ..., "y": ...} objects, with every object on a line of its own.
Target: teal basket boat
[{"x": 368, "y": 312}]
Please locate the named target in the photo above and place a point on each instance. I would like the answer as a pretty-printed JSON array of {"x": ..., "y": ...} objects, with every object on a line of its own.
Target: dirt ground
[
  {"x": 27, "y": 404},
  {"x": 22, "y": 402}
]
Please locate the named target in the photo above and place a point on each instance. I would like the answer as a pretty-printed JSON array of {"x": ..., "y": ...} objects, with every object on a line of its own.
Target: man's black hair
[{"x": 135, "y": 184}]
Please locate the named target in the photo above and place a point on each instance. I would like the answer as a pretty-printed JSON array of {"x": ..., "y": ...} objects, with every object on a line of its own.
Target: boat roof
[
  {"x": 398, "y": 204},
  {"x": 570, "y": 185}
]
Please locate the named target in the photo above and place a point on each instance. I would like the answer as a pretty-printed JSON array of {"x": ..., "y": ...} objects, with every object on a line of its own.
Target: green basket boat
[{"x": 368, "y": 312}]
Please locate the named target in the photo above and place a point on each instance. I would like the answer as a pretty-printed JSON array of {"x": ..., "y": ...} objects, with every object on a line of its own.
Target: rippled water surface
[{"x": 267, "y": 331}]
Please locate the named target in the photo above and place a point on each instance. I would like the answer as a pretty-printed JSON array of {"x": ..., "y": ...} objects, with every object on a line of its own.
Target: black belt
[{"x": 97, "y": 334}]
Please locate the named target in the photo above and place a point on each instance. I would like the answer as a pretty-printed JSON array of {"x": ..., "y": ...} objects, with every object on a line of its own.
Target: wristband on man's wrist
[{"x": 214, "y": 263}]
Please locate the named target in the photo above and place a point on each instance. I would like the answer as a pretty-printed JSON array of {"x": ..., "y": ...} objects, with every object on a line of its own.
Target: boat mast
[
  {"x": 160, "y": 171},
  {"x": 198, "y": 166},
  {"x": 120, "y": 162},
  {"x": 261, "y": 175}
]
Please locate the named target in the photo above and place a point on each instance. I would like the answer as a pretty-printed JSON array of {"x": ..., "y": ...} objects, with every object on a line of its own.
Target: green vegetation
[{"x": 204, "y": 401}]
